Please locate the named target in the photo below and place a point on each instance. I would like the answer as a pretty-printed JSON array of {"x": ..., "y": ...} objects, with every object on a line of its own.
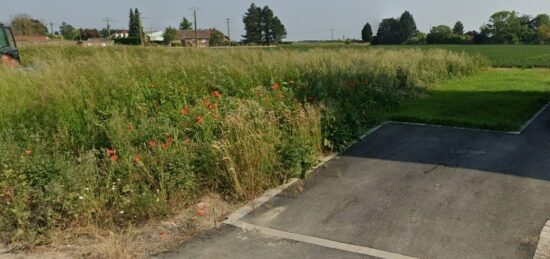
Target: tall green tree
[
  {"x": 169, "y": 35},
  {"x": 253, "y": 25},
  {"x": 279, "y": 30},
  {"x": 217, "y": 39},
  {"x": 366, "y": 33},
  {"x": 389, "y": 32},
  {"x": 540, "y": 20},
  {"x": 407, "y": 25},
  {"x": 186, "y": 24},
  {"x": 24, "y": 24},
  {"x": 504, "y": 27},
  {"x": 68, "y": 31},
  {"x": 262, "y": 26},
  {"x": 131, "y": 24},
  {"x": 458, "y": 29}
]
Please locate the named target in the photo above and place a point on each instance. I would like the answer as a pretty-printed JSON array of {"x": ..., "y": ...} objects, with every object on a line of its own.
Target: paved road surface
[{"x": 418, "y": 191}]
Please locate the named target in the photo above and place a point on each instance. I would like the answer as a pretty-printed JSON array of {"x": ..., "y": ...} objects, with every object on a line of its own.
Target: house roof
[{"x": 190, "y": 34}]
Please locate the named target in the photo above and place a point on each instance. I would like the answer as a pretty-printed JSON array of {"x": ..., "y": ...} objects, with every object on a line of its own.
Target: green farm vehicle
[{"x": 8, "y": 48}]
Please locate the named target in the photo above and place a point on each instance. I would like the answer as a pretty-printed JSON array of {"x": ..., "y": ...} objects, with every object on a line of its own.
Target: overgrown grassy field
[
  {"x": 507, "y": 56},
  {"x": 112, "y": 137},
  {"x": 502, "y": 99},
  {"x": 524, "y": 56}
]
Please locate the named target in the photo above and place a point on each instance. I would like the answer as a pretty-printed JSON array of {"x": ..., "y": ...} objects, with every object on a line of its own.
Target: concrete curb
[{"x": 543, "y": 248}]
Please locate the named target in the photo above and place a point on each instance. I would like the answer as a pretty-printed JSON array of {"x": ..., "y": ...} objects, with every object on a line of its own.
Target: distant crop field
[
  {"x": 507, "y": 56},
  {"x": 523, "y": 56}
]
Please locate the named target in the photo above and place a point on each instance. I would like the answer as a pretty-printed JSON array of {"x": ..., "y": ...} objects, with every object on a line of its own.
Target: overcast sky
[{"x": 304, "y": 19}]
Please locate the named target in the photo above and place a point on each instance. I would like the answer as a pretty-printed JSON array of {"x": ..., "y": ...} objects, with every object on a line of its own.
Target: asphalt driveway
[{"x": 406, "y": 190}]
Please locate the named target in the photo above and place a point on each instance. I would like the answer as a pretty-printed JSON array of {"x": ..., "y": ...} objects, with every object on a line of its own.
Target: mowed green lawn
[{"x": 497, "y": 99}]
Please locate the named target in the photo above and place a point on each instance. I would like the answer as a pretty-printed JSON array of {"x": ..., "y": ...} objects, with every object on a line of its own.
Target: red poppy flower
[
  {"x": 212, "y": 106},
  {"x": 165, "y": 145},
  {"x": 111, "y": 152},
  {"x": 114, "y": 158},
  {"x": 216, "y": 94},
  {"x": 185, "y": 111},
  {"x": 201, "y": 212},
  {"x": 200, "y": 120},
  {"x": 28, "y": 152},
  {"x": 152, "y": 143},
  {"x": 137, "y": 158},
  {"x": 169, "y": 138},
  {"x": 275, "y": 86}
]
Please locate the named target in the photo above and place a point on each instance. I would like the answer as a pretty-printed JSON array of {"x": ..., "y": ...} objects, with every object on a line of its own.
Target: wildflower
[
  {"x": 164, "y": 235},
  {"x": 114, "y": 158},
  {"x": 169, "y": 138},
  {"x": 111, "y": 152},
  {"x": 137, "y": 158},
  {"x": 152, "y": 143},
  {"x": 80, "y": 198},
  {"x": 275, "y": 86},
  {"x": 165, "y": 145},
  {"x": 130, "y": 127},
  {"x": 216, "y": 94},
  {"x": 185, "y": 111},
  {"x": 366, "y": 82},
  {"x": 201, "y": 212},
  {"x": 200, "y": 120},
  {"x": 121, "y": 212},
  {"x": 28, "y": 152},
  {"x": 212, "y": 106}
]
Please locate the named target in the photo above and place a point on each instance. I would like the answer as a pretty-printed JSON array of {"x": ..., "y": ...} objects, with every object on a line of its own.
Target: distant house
[
  {"x": 155, "y": 37},
  {"x": 32, "y": 39},
  {"x": 187, "y": 37},
  {"x": 97, "y": 42}
]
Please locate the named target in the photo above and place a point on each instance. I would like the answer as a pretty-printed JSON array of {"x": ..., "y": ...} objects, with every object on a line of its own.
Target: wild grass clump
[{"x": 113, "y": 137}]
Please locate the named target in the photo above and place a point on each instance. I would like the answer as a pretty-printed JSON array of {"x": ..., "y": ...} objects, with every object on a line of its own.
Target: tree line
[{"x": 504, "y": 27}]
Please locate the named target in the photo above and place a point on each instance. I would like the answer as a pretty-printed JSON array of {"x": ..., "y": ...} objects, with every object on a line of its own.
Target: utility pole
[
  {"x": 51, "y": 28},
  {"x": 194, "y": 9},
  {"x": 108, "y": 21},
  {"x": 141, "y": 30},
  {"x": 332, "y": 34},
  {"x": 228, "y": 21}
]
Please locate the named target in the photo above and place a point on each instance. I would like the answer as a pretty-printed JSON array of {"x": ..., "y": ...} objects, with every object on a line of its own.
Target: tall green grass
[{"x": 113, "y": 137}]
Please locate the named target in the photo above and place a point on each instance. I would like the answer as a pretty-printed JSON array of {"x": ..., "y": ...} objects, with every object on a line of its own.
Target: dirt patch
[{"x": 136, "y": 242}]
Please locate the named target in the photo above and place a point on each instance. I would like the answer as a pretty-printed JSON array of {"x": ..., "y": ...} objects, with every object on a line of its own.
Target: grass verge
[{"x": 497, "y": 99}]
